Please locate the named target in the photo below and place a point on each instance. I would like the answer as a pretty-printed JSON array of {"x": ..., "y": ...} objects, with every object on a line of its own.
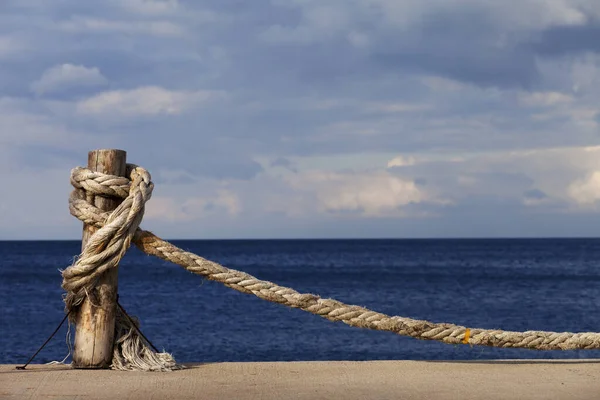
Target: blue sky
[{"x": 308, "y": 118}]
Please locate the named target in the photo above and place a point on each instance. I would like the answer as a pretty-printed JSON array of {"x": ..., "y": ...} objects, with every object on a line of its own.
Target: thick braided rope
[
  {"x": 107, "y": 246},
  {"x": 352, "y": 315},
  {"x": 105, "y": 249},
  {"x": 358, "y": 316}
]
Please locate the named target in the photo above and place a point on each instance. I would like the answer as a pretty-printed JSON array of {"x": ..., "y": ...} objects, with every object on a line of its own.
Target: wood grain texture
[{"x": 95, "y": 320}]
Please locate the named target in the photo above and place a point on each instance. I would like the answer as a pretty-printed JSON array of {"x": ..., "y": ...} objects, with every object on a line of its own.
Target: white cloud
[
  {"x": 394, "y": 108},
  {"x": 548, "y": 13},
  {"x": 173, "y": 209},
  {"x": 22, "y": 124},
  {"x": 438, "y": 83},
  {"x": 67, "y": 76},
  {"x": 586, "y": 191},
  {"x": 164, "y": 209},
  {"x": 401, "y": 161},
  {"x": 148, "y": 100},
  {"x": 376, "y": 193},
  {"x": 79, "y": 24},
  {"x": 545, "y": 98},
  {"x": 582, "y": 118},
  {"x": 555, "y": 172},
  {"x": 150, "y": 7},
  {"x": 224, "y": 200}
]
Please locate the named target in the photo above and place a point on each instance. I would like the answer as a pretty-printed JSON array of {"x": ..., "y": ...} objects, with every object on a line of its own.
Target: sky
[{"x": 308, "y": 118}]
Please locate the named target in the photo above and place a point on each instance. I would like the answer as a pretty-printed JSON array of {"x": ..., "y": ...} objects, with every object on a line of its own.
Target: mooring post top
[{"x": 107, "y": 151}]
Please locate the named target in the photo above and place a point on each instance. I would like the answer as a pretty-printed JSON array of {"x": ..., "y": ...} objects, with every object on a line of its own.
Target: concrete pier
[{"x": 489, "y": 380}]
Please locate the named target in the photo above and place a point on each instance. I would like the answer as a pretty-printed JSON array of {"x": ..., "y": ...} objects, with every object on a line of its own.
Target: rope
[
  {"x": 361, "y": 317},
  {"x": 108, "y": 245},
  {"x": 104, "y": 250},
  {"x": 330, "y": 309}
]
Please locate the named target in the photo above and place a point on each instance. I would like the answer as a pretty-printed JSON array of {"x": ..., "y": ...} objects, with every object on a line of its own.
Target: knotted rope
[
  {"x": 105, "y": 249},
  {"x": 79, "y": 278}
]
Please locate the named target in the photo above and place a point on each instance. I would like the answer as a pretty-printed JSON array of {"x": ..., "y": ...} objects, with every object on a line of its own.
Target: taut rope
[{"x": 120, "y": 227}]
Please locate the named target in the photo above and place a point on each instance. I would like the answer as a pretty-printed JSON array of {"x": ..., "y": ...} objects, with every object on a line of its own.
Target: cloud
[
  {"x": 283, "y": 163},
  {"x": 396, "y": 107},
  {"x": 535, "y": 197},
  {"x": 81, "y": 24},
  {"x": 437, "y": 83},
  {"x": 224, "y": 200},
  {"x": 401, "y": 161},
  {"x": 21, "y": 214},
  {"x": 151, "y": 7},
  {"x": 584, "y": 72},
  {"x": 8, "y": 46},
  {"x": 586, "y": 191},
  {"x": 545, "y": 98},
  {"x": 21, "y": 123},
  {"x": 223, "y": 203},
  {"x": 149, "y": 100},
  {"x": 485, "y": 43},
  {"x": 370, "y": 194},
  {"x": 164, "y": 209},
  {"x": 65, "y": 76},
  {"x": 335, "y": 116},
  {"x": 569, "y": 39},
  {"x": 34, "y": 137},
  {"x": 437, "y": 185}
]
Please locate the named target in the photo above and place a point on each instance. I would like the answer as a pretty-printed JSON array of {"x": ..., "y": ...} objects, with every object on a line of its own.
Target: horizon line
[{"x": 339, "y": 238}]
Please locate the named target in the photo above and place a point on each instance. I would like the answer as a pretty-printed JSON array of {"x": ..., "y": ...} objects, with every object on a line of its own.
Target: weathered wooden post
[{"x": 95, "y": 320}]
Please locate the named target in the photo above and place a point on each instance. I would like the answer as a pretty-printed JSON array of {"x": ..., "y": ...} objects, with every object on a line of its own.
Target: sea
[{"x": 509, "y": 284}]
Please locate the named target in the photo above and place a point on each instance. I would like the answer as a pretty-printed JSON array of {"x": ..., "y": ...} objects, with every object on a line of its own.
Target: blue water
[{"x": 544, "y": 284}]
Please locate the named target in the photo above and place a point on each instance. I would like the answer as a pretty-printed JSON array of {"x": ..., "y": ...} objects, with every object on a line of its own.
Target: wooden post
[{"x": 95, "y": 320}]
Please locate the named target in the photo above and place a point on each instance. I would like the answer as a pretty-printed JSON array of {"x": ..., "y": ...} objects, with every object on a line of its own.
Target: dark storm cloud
[
  {"x": 462, "y": 44},
  {"x": 561, "y": 40},
  {"x": 535, "y": 194}
]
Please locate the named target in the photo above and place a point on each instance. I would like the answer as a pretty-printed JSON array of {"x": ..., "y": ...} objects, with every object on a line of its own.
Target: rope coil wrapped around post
[{"x": 120, "y": 228}]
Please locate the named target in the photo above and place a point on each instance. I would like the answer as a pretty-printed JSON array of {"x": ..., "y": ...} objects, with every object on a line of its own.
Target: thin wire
[
  {"x": 136, "y": 327},
  {"x": 46, "y": 342},
  {"x": 63, "y": 321}
]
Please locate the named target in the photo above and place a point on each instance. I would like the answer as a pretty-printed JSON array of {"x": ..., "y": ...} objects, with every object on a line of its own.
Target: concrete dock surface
[{"x": 489, "y": 380}]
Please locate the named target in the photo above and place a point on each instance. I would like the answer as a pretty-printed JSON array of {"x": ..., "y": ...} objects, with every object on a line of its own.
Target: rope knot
[
  {"x": 108, "y": 245},
  {"x": 105, "y": 249}
]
